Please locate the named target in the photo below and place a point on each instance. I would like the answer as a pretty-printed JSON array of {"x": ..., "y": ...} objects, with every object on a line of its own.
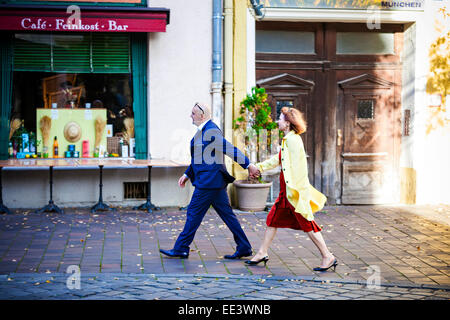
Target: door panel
[
  {"x": 367, "y": 154},
  {"x": 351, "y": 103}
]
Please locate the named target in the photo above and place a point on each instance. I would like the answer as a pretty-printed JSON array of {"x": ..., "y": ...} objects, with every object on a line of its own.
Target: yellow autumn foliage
[{"x": 438, "y": 81}]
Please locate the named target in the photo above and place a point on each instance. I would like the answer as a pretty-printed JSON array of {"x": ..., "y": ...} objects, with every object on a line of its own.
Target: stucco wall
[
  {"x": 179, "y": 75},
  {"x": 431, "y": 153}
]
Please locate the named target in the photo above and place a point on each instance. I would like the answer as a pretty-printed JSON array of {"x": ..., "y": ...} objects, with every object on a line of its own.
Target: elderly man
[{"x": 210, "y": 178}]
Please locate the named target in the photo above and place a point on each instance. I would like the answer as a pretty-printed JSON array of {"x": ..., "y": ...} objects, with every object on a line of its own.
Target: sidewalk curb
[
  {"x": 4, "y": 277},
  {"x": 311, "y": 279}
]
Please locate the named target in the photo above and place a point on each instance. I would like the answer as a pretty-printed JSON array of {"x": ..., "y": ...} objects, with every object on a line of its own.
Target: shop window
[
  {"x": 271, "y": 41},
  {"x": 364, "y": 43},
  {"x": 72, "y": 101},
  {"x": 80, "y": 86}
]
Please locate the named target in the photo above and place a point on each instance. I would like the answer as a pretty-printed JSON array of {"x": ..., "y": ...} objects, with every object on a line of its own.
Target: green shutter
[
  {"x": 32, "y": 52},
  {"x": 139, "y": 58},
  {"x": 71, "y": 52},
  {"x": 111, "y": 53},
  {"x": 75, "y": 52},
  {"x": 6, "y": 54}
]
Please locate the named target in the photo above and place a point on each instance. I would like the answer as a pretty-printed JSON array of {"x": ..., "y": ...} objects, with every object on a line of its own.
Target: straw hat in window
[{"x": 72, "y": 131}]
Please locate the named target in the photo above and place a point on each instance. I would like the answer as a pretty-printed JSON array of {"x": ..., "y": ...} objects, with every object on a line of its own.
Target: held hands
[
  {"x": 253, "y": 171},
  {"x": 182, "y": 181}
]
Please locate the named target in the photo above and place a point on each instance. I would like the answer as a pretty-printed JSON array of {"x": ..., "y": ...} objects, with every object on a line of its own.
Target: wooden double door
[{"x": 352, "y": 105}]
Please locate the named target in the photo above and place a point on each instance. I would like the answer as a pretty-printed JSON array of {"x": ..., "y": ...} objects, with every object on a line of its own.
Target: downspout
[
  {"x": 228, "y": 71},
  {"x": 216, "y": 86},
  {"x": 228, "y": 84}
]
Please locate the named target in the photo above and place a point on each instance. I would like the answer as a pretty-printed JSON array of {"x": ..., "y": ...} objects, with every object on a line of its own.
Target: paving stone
[
  {"x": 352, "y": 295},
  {"x": 312, "y": 296}
]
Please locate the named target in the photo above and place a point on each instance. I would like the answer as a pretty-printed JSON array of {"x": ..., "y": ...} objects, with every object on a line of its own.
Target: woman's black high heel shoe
[
  {"x": 254, "y": 263},
  {"x": 334, "y": 264}
]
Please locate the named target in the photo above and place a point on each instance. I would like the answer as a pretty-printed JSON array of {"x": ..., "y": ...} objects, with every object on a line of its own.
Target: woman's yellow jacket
[{"x": 300, "y": 193}]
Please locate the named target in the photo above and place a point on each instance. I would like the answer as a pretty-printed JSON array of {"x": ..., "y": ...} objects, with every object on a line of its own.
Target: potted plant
[{"x": 260, "y": 135}]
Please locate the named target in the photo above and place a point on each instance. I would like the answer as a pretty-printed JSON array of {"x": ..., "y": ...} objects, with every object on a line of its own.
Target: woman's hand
[
  {"x": 182, "y": 181},
  {"x": 253, "y": 171}
]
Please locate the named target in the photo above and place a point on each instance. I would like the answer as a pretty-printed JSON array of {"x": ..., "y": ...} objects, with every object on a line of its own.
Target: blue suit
[{"x": 210, "y": 177}]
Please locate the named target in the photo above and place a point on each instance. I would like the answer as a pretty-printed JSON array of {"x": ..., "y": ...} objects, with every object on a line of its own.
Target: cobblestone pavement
[
  {"x": 408, "y": 245},
  {"x": 109, "y": 286}
]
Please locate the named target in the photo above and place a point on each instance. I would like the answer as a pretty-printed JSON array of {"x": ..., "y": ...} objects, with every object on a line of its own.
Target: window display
[
  {"x": 69, "y": 112},
  {"x": 67, "y": 87}
]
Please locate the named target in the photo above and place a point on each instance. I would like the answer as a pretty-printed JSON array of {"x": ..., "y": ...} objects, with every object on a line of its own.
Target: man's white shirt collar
[{"x": 200, "y": 127}]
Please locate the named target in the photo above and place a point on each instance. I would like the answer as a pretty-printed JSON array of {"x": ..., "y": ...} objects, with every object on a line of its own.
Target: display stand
[
  {"x": 148, "y": 205},
  {"x": 100, "y": 204},
  {"x": 51, "y": 207}
]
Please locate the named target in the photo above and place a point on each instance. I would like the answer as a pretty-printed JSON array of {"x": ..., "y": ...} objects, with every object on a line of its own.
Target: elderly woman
[{"x": 298, "y": 200}]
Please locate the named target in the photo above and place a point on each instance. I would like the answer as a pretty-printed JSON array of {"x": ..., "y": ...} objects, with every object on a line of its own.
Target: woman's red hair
[{"x": 295, "y": 118}]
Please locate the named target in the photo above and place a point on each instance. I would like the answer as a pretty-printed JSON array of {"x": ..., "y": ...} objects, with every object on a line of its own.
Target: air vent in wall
[{"x": 135, "y": 190}]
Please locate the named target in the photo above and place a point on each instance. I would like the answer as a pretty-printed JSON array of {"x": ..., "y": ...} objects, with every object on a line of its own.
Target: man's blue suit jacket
[{"x": 207, "y": 169}]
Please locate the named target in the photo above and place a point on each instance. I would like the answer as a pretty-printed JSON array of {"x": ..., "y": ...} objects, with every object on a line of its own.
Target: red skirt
[{"x": 283, "y": 215}]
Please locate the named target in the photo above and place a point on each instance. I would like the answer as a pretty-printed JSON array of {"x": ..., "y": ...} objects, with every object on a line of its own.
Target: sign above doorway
[{"x": 346, "y": 4}]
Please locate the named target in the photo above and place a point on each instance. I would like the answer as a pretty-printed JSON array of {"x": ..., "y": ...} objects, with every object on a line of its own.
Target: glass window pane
[
  {"x": 365, "y": 109},
  {"x": 364, "y": 43},
  {"x": 272, "y": 41},
  {"x": 283, "y": 103}
]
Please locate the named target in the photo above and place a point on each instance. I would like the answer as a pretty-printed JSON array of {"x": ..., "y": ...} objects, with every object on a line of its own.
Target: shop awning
[{"x": 92, "y": 19}]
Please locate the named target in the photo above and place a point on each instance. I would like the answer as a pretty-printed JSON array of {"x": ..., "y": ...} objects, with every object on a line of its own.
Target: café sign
[
  {"x": 88, "y": 20},
  {"x": 29, "y": 23}
]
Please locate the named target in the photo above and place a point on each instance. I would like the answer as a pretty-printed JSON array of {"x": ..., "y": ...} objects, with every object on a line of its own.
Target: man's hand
[
  {"x": 253, "y": 171},
  {"x": 182, "y": 181}
]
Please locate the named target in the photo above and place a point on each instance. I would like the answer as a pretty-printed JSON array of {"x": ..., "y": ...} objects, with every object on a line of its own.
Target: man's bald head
[
  {"x": 201, "y": 112},
  {"x": 205, "y": 109}
]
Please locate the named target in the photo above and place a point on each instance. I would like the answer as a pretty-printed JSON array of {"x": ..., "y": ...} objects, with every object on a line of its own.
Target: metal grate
[
  {"x": 135, "y": 190},
  {"x": 406, "y": 122},
  {"x": 365, "y": 109},
  {"x": 283, "y": 103}
]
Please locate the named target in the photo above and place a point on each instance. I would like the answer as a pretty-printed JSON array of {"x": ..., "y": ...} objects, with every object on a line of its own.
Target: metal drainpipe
[
  {"x": 228, "y": 83},
  {"x": 216, "y": 86},
  {"x": 228, "y": 69}
]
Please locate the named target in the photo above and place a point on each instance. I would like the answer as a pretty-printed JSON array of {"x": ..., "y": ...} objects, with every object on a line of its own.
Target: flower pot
[{"x": 252, "y": 196}]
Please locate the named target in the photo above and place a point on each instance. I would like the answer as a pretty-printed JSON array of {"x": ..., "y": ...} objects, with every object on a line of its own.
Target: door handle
[{"x": 339, "y": 137}]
